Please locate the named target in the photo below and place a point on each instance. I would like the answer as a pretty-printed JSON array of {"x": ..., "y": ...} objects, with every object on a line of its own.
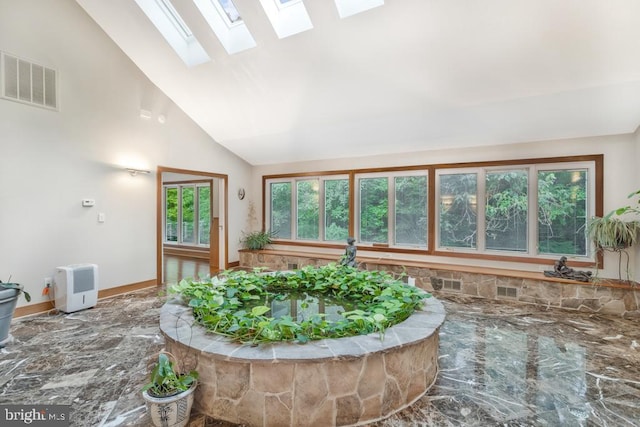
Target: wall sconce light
[{"x": 135, "y": 172}]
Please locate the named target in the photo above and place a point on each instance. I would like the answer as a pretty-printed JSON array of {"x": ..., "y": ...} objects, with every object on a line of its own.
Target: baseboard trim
[
  {"x": 234, "y": 264},
  {"x": 124, "y": 289},
  {"x": 45, "y": 306},
  {"x": 40, "y": 307}
]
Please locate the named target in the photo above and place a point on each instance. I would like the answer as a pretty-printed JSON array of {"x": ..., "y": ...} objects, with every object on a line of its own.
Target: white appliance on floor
[{"x": 76, "y": 287}]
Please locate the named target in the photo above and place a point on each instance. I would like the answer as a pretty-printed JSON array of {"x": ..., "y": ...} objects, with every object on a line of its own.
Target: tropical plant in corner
[
  {"x": 615, "y": 232},
  {"x": 629, "y": 209},
  {"x": 610, "y": 233}
]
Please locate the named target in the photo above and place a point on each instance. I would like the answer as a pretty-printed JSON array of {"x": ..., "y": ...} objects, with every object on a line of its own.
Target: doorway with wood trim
[{"x": 192, "y": 237}]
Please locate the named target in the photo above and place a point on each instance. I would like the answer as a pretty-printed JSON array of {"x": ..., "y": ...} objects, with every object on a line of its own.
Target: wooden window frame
[{"x": 432, "y": 250}]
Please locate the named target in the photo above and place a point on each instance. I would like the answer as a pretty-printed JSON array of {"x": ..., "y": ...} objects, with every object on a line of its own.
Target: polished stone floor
[
  {"x": 500, "y": 365},
  {"x": 178, "y": 267}
]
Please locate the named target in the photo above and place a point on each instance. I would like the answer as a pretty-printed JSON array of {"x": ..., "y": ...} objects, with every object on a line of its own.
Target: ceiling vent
[{"x": 26, "y": 82}]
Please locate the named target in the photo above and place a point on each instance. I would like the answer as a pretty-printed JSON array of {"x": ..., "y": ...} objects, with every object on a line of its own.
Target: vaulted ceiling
[{"x": 410, "y": 75}]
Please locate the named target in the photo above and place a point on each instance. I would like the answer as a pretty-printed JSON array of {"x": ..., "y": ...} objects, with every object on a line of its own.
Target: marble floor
[{"x": 500, "y": 365}]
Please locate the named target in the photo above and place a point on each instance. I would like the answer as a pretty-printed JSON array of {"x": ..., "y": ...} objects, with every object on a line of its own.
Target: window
[
  {"x": 281, "y": 209},
  {"x": 317, "y": 210},
  {"x": 411, "y": 211},
  {"x": 204, "y": 214},
  {"x": 187, "y": 216},
  {"x": 171, "y": 214},
  {"x": 225, "y": 21},
  {"x": 374, "y": 210},
  {"x": 187, "y": 222},
  {"x": 308, "y": 210},
  {"x": 347, "y": 8},
  {"x": 506, "y": 221},
  {"x": 336, "y": 209},
  {"x": 521, "y": 210},
  {"x": 287, "y": 17},
  {"x": 562, "y": 211},
  {"x": 230, "y": 11},
  {"x": 504, "y": 211},
  {"x": 393, "y": 209},
  {"x": 458, "y": 210},
  {"x": 533, "y": 210},
  {"x": 175, "y": 18},
  {"x": 175, "y": 31}
]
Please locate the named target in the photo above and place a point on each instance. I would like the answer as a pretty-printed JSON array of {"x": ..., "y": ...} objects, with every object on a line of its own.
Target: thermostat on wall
[{"x": 87, "y": 203}]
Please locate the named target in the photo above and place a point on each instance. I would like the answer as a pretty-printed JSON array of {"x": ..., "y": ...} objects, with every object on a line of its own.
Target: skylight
[
  {"x": 287, "y": 17},
  {"x": 175, "y": 18},
  {"x": 351, "y": 7},
  {"x": 226, "y": 22},
  {"x": 230, "y": 11},
  {"x": 175, "y": 31}
]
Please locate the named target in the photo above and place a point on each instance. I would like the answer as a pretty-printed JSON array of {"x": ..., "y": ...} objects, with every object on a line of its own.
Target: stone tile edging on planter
[{"x": 344, "y": 381}]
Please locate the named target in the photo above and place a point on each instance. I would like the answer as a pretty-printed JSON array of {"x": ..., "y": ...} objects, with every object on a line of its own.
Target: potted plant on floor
[
  {"x": 169, "y": 393},
  {"x": 9, "y": 293},
  {"x": 256, "y": 240}
]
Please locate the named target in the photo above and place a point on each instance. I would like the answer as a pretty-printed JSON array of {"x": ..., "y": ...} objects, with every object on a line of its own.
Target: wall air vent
[
  {"x": 451, "y": 284},
  {"x": 439, "y": 283},
  {"x": 27, "y": 82},
  {"x": 503, "y": 291}
]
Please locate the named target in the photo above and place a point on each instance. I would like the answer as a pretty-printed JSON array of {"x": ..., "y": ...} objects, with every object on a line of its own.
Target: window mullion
[
  {"x": 179, "y": 233},
  {"x": 391, "y": 211},
  {"x": 294, "y": 209},
  {"x": 533, "y": 211},
  {"x": 196, "y": 216},
  {"x": 321, "y": 208},
  {"x": 481, "y": 210}
]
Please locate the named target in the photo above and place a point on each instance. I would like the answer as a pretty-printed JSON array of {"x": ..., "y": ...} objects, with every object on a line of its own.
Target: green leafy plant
[
  {"x": 164, "y": 381},
  {"x": 18, "y": 287},
  {"x": 615, "y": 232},
  {"x": 238, "y": 303},
  {"x": 629, "y": 209},
  {"x": 256, "y": 240}
]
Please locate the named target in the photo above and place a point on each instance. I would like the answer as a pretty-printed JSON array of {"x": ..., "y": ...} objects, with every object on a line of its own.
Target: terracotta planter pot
[{"x": 171, "y": 411}]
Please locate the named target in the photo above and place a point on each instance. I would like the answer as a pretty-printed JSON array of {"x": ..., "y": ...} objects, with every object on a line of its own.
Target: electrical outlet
[{"x": 48, "y": 282}]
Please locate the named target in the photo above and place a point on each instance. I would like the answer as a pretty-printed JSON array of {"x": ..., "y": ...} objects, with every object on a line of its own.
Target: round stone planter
[
  {"x": 330, "y": 382},
  {"x": 171, "y": 411}
]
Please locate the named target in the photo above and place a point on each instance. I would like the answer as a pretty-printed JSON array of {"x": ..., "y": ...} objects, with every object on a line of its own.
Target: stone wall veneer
[{"x": 599, "y": 297}]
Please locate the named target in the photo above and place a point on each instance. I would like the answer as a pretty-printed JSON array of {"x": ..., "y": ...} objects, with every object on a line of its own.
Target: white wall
[
  {"x": 620, "y": 164},
  {"x": 634, "y": 182},
  {"x": 49, "y": 160}
]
